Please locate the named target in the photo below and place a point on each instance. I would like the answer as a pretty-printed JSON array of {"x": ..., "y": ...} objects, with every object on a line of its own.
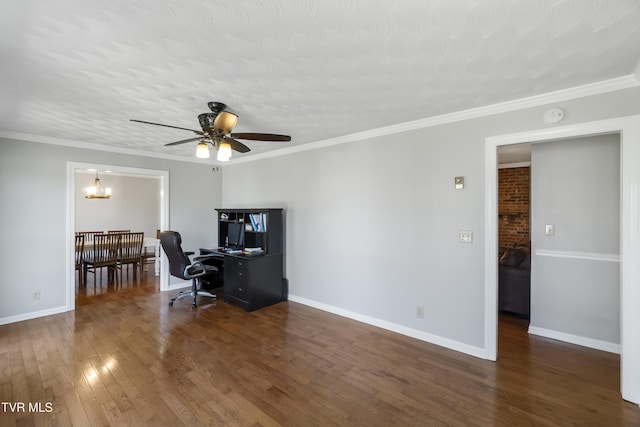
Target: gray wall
[
  {"x": 372, "y": 226},
  {"x": 575, "y": 186},
  {"x": 33, "y": 213},
  {"x": 368, "y": 232},
  {"x": 134, "y": 205}
]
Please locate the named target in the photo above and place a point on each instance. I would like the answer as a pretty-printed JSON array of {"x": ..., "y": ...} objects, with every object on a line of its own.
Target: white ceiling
[{"x": 78, "y": 70}]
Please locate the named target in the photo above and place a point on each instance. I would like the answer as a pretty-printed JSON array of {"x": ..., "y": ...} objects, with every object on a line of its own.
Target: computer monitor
[{"x": 235, "y": 235}]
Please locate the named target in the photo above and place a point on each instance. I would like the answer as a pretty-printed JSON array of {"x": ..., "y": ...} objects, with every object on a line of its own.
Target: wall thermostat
[
  {"x": 459, "y": 182},
  {"x": 554, "y": 115}
]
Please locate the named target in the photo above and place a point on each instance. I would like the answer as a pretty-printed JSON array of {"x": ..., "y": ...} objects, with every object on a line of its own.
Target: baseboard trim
[
  {"x": 576, "y": 339},
  {"x": 33, "y": 315},
  {"x": 394, "y": 327}
]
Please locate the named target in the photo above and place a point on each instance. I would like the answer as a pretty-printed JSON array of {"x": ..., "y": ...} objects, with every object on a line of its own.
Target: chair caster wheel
[
  {"x": 170, "y": 303},
  {"x": 193, "y": 304}
]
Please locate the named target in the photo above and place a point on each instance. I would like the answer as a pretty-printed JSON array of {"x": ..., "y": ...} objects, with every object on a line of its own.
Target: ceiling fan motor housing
[{"x": 206, "y": 121}]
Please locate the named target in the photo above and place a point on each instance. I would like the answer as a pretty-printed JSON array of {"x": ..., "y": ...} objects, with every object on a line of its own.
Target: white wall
[
  {"x": 575, "y": 274},
  {"x": 134, "y": 205},
  {"x": 33, "y": 216},
  {"x": 372, "y": 226}
]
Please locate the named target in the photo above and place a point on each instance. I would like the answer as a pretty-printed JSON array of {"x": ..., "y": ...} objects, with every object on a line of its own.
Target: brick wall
[{"x": 513, "y": 206}]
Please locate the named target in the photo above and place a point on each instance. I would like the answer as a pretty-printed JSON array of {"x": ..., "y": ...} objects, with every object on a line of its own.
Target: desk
[
  {"x": 148, "y": 242},
  {"x": 251, "y": 281}
]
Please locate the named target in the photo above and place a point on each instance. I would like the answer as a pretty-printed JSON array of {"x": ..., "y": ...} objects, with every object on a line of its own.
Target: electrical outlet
[
  {"x": 36, "y": 296},
  {"x": 465, "y": 236},
  {"x": 419, "y": 312}
]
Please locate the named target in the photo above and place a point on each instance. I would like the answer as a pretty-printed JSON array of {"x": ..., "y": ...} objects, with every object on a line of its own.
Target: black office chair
[{"x": 181, "y": 266}]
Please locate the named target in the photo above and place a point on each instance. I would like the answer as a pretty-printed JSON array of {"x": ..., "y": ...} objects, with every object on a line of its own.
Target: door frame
[
  {"x": 629, "y": 130},
  {"x": 71, "y": 215}
]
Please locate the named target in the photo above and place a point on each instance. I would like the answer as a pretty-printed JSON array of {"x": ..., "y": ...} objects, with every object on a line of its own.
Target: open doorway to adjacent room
[
  {"x": 138, "y": 202},
  {"x": 123, "y": 202},
  {"x": 514, "y": 241},
  {"x": 626, "y": 132}
]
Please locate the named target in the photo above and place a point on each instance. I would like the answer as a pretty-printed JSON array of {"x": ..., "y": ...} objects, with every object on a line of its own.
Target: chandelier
[{"x": 97, "y": 191}]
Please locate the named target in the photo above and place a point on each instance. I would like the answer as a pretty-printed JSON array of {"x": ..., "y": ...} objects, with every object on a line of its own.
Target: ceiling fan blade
[
  {"x": 261, "y": 136},
  {"x": 236, "y": 145},
  {"x": 199, "y": 132},
  {"x": 184, "y": 141}
]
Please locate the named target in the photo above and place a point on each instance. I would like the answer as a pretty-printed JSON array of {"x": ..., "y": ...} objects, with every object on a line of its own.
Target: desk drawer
[
  {"x": 236, "y": 279},
  {"x": 240, "y": 283},
  {"x": 240, "y": 290},
  {"x": 236, "y": 263}
]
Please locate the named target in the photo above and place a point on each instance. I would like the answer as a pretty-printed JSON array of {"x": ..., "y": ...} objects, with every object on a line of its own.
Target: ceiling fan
[{"x": 216, "y": 127}]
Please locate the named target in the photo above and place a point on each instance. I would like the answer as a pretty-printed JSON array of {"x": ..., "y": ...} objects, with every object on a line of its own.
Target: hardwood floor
[{"x": 123, "y": 357}]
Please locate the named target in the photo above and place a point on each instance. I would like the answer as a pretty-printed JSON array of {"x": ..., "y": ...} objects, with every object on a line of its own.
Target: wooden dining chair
[
  {"x": 118, "y": 231},
  {"x": 103, "y": 253},
  {"x": 130, "y": 252},
  {"x": 88, "y": 235},
  {"x": 149, "y": 254},
  {"x": 79, "y": 256}
]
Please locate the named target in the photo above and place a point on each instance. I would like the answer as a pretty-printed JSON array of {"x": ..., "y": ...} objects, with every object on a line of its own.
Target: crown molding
[
  {"x": 605, "y": 86},
  {"x": 99, "y": 147}
]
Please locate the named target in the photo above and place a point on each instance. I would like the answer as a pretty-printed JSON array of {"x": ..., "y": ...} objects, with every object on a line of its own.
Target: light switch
[
  {"x": 465, "y": 236},
  {"x": 549, "y": 230}
]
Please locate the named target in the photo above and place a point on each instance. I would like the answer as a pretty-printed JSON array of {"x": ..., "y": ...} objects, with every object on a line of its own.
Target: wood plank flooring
[{"x": 123, "y": 357}]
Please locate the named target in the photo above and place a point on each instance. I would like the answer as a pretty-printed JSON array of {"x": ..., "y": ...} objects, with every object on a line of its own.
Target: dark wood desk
[{"x": 252, "y": 281}]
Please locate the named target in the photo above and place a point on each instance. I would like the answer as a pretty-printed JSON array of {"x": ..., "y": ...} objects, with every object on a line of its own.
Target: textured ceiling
[{"x": 78, "y": 70}]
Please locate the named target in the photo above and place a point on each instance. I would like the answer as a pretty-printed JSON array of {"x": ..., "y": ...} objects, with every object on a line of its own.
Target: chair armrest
[
  {"x": 189, "y": 253},
  {"x": 198, "y": 269},
  {"x": 208, "y": 257}
]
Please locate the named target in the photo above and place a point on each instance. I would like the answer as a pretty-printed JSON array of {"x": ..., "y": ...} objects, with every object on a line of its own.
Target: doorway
[
  {"x": 132, "y": 205},
  {"x": 514, "y": 241},
  {"x": 629, "y": 130},
  {"x": 72, "y": 168}
]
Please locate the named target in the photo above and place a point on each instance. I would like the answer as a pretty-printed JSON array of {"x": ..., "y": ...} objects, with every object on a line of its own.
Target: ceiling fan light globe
[
  {"x": 224, "y": 152},
  {"x": 202, "y": 151},
  {"x": 225, "y": 122}
]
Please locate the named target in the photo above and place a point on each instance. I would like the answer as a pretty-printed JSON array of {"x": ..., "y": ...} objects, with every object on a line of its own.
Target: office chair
[{"x": 181, "y": 267}]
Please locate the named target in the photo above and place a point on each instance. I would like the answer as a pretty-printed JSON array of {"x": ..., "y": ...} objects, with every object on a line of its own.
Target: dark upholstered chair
[{"x": 181, "y": 267}]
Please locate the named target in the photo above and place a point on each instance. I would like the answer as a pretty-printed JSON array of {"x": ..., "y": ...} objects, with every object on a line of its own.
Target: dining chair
[
  {"x": 103, "y": 253},
  {"x": 88, "y": 235},
  {"x": 118, "y": 231},
  {"x": 79, "y": 256},
  {"x": 130, "y": 252},
  {"x": 149, "y": 254}
]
